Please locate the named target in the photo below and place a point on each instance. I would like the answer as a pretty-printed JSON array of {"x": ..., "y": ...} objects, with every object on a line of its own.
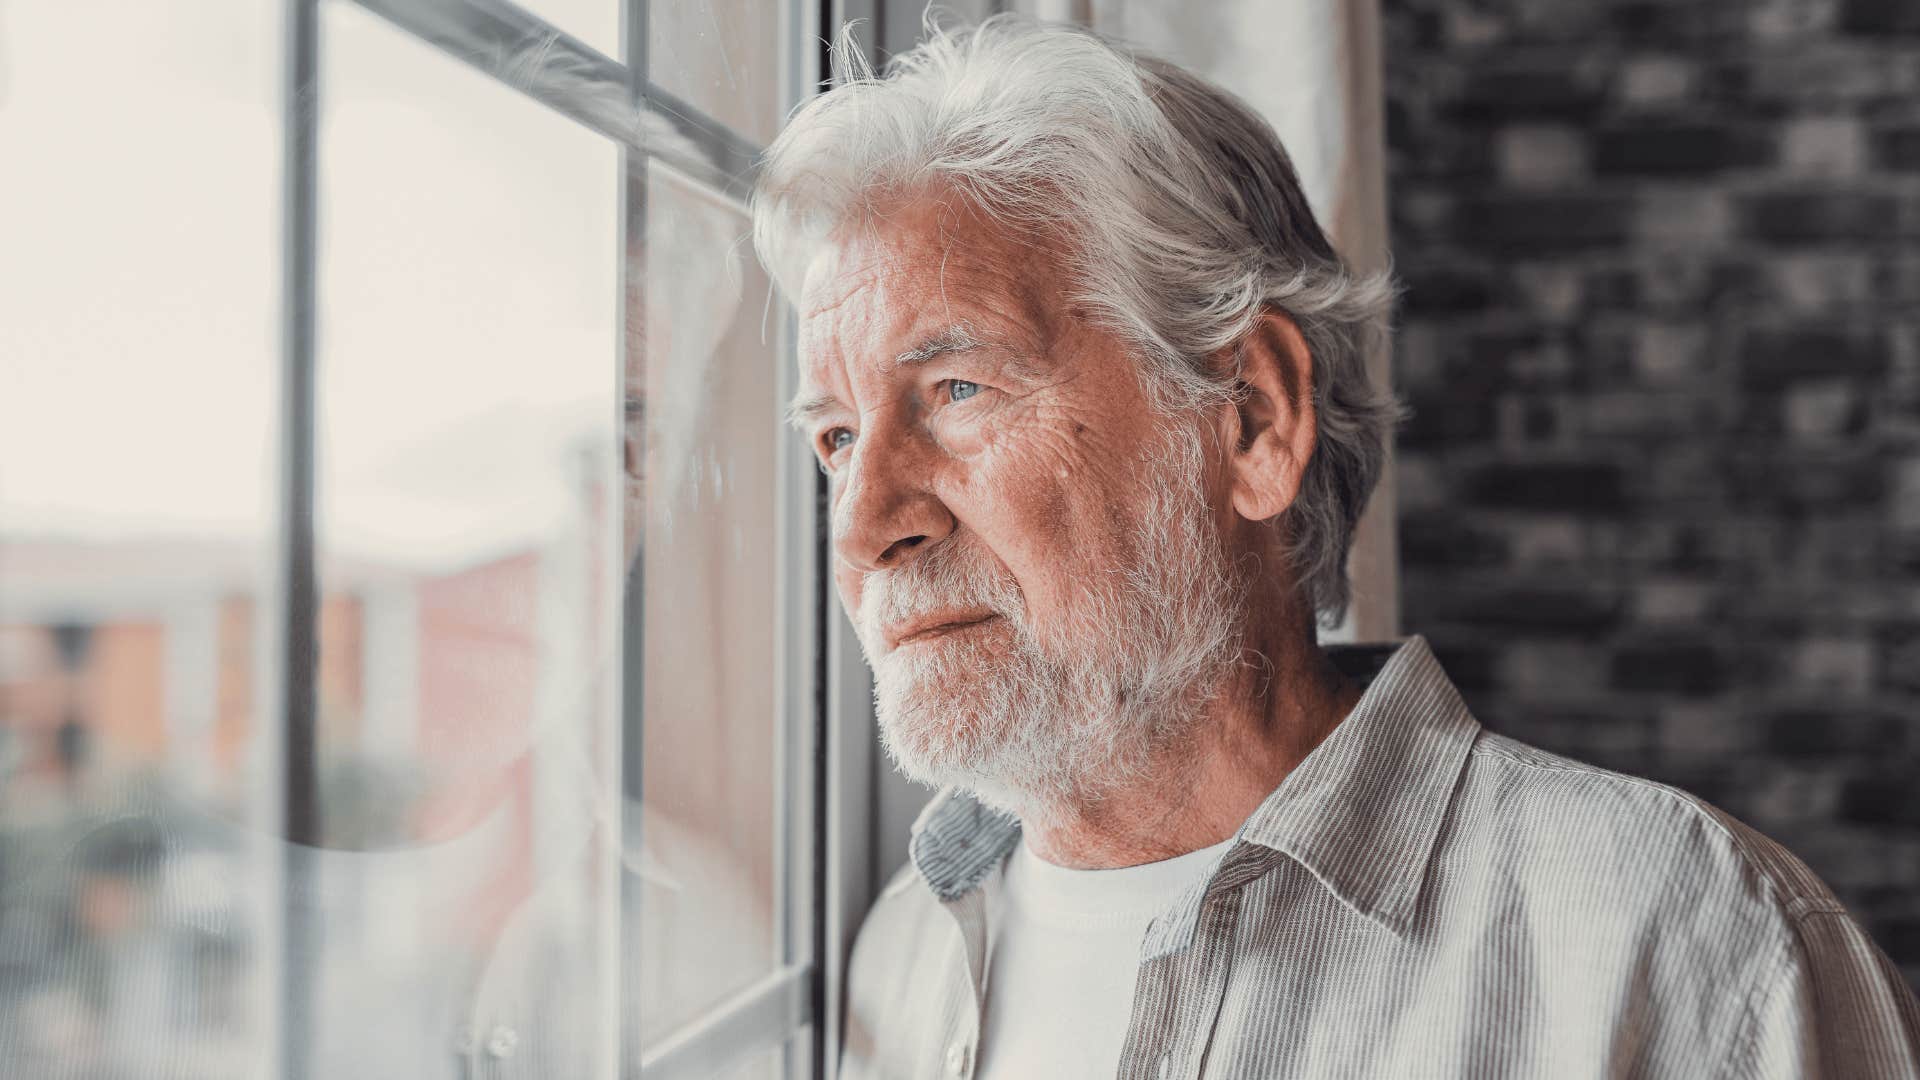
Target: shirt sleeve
[{"x": 1834, "y": 1007}]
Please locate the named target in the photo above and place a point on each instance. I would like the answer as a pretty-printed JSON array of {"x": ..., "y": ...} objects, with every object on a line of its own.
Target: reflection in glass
[
  {"x": 139, "y": 370},
  {"x": 723, "y": 58},
  {"x": 468, "y": 531},
  {"x": 710, "y": 389},
  {"x": 470, "y": 562},
  {"x": 764, "y": 1065},
  {"x": 594, "y": 22}
]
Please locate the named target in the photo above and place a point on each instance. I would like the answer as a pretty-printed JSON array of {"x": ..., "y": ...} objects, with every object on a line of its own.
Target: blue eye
[
  {"x": 961, "y": 389},
  {"x": 839, "y": 439}
]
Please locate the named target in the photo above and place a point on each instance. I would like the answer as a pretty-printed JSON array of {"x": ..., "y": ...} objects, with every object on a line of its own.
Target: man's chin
[
  {"x": 966, "y": 740},
  {"x": 926, "y": 739},
  {"x": 934, "y": 736},
  {"x": 939, "y": 771}
]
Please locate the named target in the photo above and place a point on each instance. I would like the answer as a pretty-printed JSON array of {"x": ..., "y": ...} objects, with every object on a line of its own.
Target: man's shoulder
[
  {"x": 903, "y": 919},
  {"x": 905, "y": 897},
  {"x": 897, "y": 979},
  {"x": 1602, "y": 832},
  {"x": 1728, "y": 930}
]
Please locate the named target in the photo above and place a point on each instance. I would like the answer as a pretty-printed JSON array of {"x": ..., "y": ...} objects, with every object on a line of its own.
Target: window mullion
[
  {"x": 298, "y": 646},
  {"x": 508, "y": 43},
  {"x": 633, "y": 301}
]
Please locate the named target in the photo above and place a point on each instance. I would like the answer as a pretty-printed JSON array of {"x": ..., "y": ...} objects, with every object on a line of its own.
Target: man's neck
[{"x": 1262, "y": 725}]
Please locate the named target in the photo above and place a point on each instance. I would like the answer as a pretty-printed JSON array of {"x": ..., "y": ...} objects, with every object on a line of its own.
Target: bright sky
[{"x": 468, "y": 312}]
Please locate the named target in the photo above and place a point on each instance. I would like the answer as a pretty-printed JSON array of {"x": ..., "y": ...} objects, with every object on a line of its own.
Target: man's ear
[{"x": 1276, "y": 418}]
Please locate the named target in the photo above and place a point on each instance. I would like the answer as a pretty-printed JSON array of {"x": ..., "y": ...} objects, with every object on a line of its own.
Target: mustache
[{"x": 940, "y": 578}]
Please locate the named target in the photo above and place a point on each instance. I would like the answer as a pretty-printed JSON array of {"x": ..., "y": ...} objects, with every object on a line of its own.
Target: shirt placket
[
  {"x": 959, "y": 1048},
  {"x": 1187, "y": 961},
  {"x": 1199, "y": 1015}
]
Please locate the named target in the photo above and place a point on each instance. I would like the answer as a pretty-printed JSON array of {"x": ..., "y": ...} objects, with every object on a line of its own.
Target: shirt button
[
  {"x": 957, "y": 1056},
  {"x": 502, "y": 1042}
]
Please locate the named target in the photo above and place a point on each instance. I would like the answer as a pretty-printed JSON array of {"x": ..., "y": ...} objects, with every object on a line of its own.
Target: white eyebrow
[
  {"x": 804, "y": 411},
  {"x": 955, "y": 338}
]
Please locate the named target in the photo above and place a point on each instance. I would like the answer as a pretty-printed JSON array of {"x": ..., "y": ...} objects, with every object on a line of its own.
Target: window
[{"x": 410, "y": 609}]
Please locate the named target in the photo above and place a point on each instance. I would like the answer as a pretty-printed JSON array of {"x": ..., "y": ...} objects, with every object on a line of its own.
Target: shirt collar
[
  {"x": 957, "y": 841},
  {"x": 1361, "y": 812}
]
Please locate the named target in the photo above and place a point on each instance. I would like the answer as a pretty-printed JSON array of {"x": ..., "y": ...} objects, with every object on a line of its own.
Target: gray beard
[{"x": 1051, "y": 727}]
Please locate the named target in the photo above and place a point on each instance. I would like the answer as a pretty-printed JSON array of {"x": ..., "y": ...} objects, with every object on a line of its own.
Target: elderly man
[{"x": 1088, "y": 381}]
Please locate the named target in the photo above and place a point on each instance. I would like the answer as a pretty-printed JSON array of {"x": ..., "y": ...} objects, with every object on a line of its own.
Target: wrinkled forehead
[{"x": 898, "y": 270}]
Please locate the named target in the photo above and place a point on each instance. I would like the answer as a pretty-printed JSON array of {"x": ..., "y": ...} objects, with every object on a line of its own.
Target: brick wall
[{"x": 1660, "y": 493}]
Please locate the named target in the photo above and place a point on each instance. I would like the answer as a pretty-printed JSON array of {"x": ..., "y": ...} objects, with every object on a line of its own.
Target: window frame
[{"x": 616, "y": 99}]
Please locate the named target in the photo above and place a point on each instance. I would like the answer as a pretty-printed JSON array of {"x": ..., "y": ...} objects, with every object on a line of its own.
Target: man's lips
[{"x": 934, "y": 626}]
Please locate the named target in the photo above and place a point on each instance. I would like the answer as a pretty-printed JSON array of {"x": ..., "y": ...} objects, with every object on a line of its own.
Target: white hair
[{"x": 1184, "y": 216}]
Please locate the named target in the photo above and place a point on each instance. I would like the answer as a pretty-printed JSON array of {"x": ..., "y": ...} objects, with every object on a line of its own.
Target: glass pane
[
  {"x": 139, "y": 385},
  {"x": 469, "y": 544},
  {"x": 760, "y": 1065},
  {"x": 722, "y": 57},
  {"x": 708, "y": 379},
  {"x": 595, "y": 22}
]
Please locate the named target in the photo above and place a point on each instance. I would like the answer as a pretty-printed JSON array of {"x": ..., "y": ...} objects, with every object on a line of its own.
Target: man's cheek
[{"x": 847, "y": 582}]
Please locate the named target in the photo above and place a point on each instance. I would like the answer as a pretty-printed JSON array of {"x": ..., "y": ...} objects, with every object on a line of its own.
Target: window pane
[
  {"x": 722, "y": 57},
  {"x": 595, "y": 22},
  {"x": 139, "y": 384},
  {"x": 761, "y": 1065},
  {"x": 468, "y": 533},
  {"x": 470, "y": 567},
  {"x": 708, "y": 376}
]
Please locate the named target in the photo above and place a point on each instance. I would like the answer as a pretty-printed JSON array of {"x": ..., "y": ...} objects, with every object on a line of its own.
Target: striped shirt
[{"x": 1424, "y": 898}]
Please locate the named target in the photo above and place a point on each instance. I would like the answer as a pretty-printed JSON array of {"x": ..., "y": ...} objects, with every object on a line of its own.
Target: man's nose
[{"x": 885, "y": 513}]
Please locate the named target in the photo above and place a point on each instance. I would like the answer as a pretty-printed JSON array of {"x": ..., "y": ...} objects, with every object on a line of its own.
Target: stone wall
[{"x": 1660, "y": 491}]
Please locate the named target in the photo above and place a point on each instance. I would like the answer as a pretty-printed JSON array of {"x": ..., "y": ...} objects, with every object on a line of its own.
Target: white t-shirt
[{"x": 1063, "y": 952}]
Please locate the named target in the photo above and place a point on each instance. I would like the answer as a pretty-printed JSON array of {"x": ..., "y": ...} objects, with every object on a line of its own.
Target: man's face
[{"x": 1029, "y": 552}]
